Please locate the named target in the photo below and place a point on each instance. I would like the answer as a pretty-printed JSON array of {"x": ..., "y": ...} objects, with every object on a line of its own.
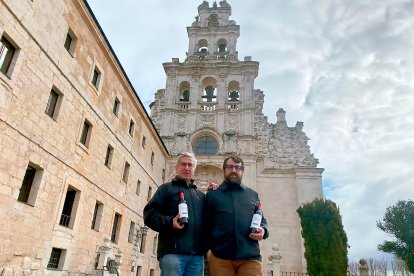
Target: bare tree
[
  {"x": 399, "y": 268},
  {"x": 373, "y": 267},
  {"x": 382, "y": 266},
  {"x": 353, "y": 268}
]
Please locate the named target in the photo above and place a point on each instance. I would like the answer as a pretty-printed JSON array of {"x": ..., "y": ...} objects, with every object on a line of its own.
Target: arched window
[
  {"x": 206, "y": 145},
  {"x": 184, "y": 92},
  {"x": 202, "y": 46},
  {"x": 233, "y": 91}
]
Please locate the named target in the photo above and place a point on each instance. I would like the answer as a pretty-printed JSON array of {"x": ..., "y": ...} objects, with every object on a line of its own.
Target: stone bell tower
[{"x": 211, "y": 108}]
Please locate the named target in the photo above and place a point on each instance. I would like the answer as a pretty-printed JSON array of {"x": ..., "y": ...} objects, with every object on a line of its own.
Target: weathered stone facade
[
  {"x": 71, "y": 158},
  {"x": 210, "y": 100}
]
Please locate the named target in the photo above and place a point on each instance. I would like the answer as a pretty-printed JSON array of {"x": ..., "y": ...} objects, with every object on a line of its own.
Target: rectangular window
[
  {"x": 117, "y": 105},
  {"x": 96, "y": 263},
  {"x": 86, "y": 133},
  {"x": 131, "y": 128},
  {"x": 70, "y": 42},
  {"x": 70, "y": 207},
  {"x": 152, "y": 158},
  {"x": 56, "y": 259},
  {"x": 139, "y": 268},
  {"x": 96, "y": 77},
  {"x": 144, "y": 141},
  {"x": 131, "y": 233},
  {"x": 149, "y": 193},
  {"x": 27, "y": 184},
  {"x": 126, "y": 172},
  {"x": 53, "y": 104},
  {"x": 115, "y": 228},
  {"x": 30, "y": 185},
  {"x": 151, "y": 272},
  {"x": 154, "y": 245},
  {"x": 138, "y": 187},
  {"x": 163, "y": 174},
  {"x": 7, "y": 51},
  {"x": 143, "y": 242},
  {"x": 97, "y": 216},
  {"x": 108, "y": 157}
]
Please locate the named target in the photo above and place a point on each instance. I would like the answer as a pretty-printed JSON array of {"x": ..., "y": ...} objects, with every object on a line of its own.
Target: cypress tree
[{"x": 326, "y": 244}]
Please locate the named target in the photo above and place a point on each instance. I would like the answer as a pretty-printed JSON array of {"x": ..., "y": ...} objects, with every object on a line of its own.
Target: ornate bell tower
[{"x": 210, "y": 107}]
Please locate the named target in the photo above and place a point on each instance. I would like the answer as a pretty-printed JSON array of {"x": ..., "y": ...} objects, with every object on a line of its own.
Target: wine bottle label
[
  {"x": 182, "y": 209},
  {"x": 256, "y": 220}
]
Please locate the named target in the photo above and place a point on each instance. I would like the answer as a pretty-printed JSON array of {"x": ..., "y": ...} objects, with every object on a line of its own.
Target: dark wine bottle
[
  {"x": 182, "y": 210},
  {"x": 256, "y": 219}
]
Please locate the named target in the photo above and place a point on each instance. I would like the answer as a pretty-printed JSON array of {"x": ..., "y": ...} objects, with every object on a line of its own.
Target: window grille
[{"x": 54, "y": 258}]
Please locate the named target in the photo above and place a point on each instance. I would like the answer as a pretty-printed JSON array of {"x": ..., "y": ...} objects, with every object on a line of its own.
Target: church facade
[{"x": 210, "y": 106}]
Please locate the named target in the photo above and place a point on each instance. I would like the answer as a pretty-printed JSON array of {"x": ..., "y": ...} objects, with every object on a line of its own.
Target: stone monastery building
[{"x": 80, "y": 157}]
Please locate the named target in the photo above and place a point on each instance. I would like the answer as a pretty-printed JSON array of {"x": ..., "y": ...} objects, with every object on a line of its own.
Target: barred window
[{"x": 54, "y": 260}]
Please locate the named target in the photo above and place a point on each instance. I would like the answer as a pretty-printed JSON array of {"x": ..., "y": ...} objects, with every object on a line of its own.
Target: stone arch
[
  {"x": 202, "y": 46},
  {"x": 222, "y": 45}
]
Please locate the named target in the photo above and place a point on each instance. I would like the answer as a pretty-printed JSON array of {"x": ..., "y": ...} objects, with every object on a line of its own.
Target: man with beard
[{"x": 233, "y": 250}]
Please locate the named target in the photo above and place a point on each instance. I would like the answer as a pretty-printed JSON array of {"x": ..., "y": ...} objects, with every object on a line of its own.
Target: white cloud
[{"x": 345, "y": 68}]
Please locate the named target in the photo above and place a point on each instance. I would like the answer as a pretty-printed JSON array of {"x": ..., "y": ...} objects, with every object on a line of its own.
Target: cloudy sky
[{"x": 344, "y": 68}]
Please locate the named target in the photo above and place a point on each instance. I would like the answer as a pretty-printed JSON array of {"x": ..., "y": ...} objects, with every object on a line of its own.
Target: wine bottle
[
  {"x": 256, "y": 219},
  {"x": 182, "y": 210}
]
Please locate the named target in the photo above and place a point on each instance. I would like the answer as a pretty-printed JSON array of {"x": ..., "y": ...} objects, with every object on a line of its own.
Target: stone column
[
  {"x": 363, "y": 268},
  {"x": 275, "y": 259},
  {"x": 104, "y": 251}
]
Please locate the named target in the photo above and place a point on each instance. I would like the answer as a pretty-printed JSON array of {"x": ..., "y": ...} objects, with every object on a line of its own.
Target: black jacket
[
  {"x": 229, "y": 211},
  {"x": 163, "y": 207}
]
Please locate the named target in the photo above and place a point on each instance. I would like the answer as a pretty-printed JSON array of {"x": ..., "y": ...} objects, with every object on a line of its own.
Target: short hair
[
  {"x": 236, "y": 159},
  {"x": 187, "y": 154}
]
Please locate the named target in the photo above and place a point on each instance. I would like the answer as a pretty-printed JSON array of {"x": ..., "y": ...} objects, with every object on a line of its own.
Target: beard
[{"x": 233, "y": 178}]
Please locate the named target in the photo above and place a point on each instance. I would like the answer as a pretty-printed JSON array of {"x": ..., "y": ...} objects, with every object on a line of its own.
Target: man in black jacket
[
  {"x": 180, "y": 247},
  {"x": 233, "y": 250}
]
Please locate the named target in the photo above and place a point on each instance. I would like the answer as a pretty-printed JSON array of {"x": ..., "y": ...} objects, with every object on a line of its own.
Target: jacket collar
[
  {"x": 226, "y": 185},
  {"x": 180, "y": 182}
]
